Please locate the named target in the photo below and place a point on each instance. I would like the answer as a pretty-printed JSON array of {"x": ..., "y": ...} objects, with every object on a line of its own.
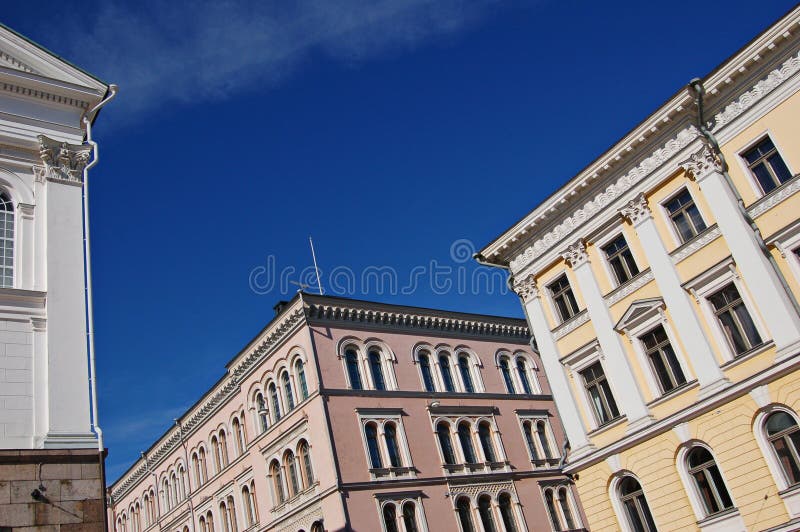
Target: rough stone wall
[{"x": 72, "y": 500}]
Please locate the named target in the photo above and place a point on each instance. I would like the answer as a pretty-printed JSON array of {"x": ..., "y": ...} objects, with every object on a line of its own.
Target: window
[
  {"x": 351, "y": 359},
  {"x": 736, "y": 322},
  {"x": 485, "y": 436},
  {"x": 466, "y": 375},
  {"x": 300, "y": 371},
  {"x": 708, "y": 480},
  {"x": 249, "y": 498},
  {"x": 390, "y": 518},
  {"x": 276, "y": 402},
  {"x": 262, "y": 412},
  {"x": 766, "y": 165},
  {"x": 485, "y": 511},
  {"x": 505, "y": 371},
  {"x": 277, "y": 481},
  {"x": 603, "y": 403},
  {"x": 784, "y": 437},
  {"x": 507, "y": 512},
  {"x": 305, "y": 463},
  {"x": 524, "y": 375},
  {"x": 385, "y": 443},
  {"x": 390, "y": 435},
  {"x": 447, "y": 375},
  {"x": 400, "y": 515},
  {"x": 230, "y": 515},
  {"x": 662, "y": 359},
  {"x": 6, "y": 241},
  {"x": 620, "y": 259},
  {"x": 376, "y": 368},
  {"x": 287, "y": 389},
  {"x": 634, "y": 504},
  {"x": 372, "y": 445},
  {"x": 445, "y": 442},
  {"x": 464, "y": 514},
  {"x": 410, "y": 517},
  {"x": 465, "y": 439},
  {"x": 563, "y": 298},
  {"x": 290, "y": 468},
  {"x": 560, "y": 508},
  {"x": 238, "y": 434},
  {"x": 425, "y": 370},
  {"x": 684, "y": 215},
  {"x": 222, "y": 450}
]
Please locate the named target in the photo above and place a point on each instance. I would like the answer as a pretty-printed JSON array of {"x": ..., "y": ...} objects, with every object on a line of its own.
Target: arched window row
[
  {"x": 388, "y": 454},
  {"x": 368, "y": 365},
  {"x": 540, "y": 441},
  {"x": 519, "y": 373},
  {"x": 470, "y": 444},
  {"x": 402, "y": 516},
  {"x": 172, "y": 490},
  {"x": 494, "y": 513},
  {"x": 446, "y": 369},
  {"x": 561, "y": 508},
  {"x": 291, "y": 473},
  {"x": 282, "y": 391}
]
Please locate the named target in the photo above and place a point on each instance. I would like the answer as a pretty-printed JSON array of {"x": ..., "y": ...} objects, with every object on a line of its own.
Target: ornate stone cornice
[
  {"x": 43, "y": 95},
  {"x": 576, "y": 254},
  {"x": 636, "y": 210},
  {"x": 598, "y": 202},
  {"x": 526, "y": 288},
  {"x": 62, "y": 161},
  {"x": 702, "y": 163}
]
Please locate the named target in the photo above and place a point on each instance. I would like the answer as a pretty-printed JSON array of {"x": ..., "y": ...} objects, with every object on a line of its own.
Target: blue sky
[{"x": 399, "y": 133}]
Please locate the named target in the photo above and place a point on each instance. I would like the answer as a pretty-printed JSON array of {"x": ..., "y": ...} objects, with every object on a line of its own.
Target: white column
[
  {"x": 762, "y": 280},
  {"x": 617, "y": 368},
  {"x": 556, "y": 377},
  {"x": 704, "y": 363}
]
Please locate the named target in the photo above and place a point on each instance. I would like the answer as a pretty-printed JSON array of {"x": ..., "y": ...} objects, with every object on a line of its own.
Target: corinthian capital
[
  {"x": 576, "y": 254},
  {"x": 636, "y": 210},
  {"x": 702, "y": 163},
  {"x": 62, "y": 161},
  {"x": 526, "y": 288}
]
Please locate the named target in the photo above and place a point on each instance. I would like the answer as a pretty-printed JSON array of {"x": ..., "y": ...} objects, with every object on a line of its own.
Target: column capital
[
  {"x": 636, "y": 210},
  {"x": 702, "y": 163},
  {"x": 526, "y": 288},
  {"x": 576, "y": 254},
  {"x": 62, "y": 161}
]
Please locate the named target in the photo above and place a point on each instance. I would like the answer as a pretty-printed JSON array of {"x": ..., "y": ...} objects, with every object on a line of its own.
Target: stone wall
[{"x": 72, "y": 498}]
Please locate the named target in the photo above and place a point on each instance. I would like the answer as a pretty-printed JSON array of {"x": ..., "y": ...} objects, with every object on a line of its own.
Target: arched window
[
  {"x": 151, "y": 507},
  {"x": 230, "y": 515},
  {"x": 300, "y": 371},
  {"x": 277, "y": 481},
  {"x": 376, "y": 369},
  {"x": 410, "y": 517},
  {"x": 524, "y": 375},
  {"x": 784, "y": 436},
  {"x": 223, "y": 517},
  {"x": 216, "y": 452},
  {"x": 507, "y": 512},
  {"x": 203, "y": 476},
  {"x": 223, "y": 449},
  {"x": 287, "y": 389},
  {"x": 637, "y": 511},
  {"x": 210, "y": 521},
  {"x": 249, "y": 515},
  {"x": 276, "y": 402},
  {"x": 708, "y": 480},
  {"x": 549, "y": 500},
  {"x": 291, "y": 470},
  {"x": 203, "y": 525},
  {"x": 427, "y": 375},
  {"x": 165, "y": 495},
  {"x": 485, "y": 436},
  {"x": 464, "y": 514},
  {"x": 528, "y": 430},
  {"x": 541, "y": 431},
  {"x": 317, "y": 527},
  {"x": 148, "y": 517},
  {"x": 371, "y": 430},
  {"x": 182, "y": 481},
  {"x": 447, "y": 374},
  {"x": 465, "y": 438},
  {"x": 6, "y": 241},
  {"x": 239, "y": 434},
  {"x": 262, "y": 412},
  {"x": 446, "y": 443},
  {"x": 390, "y": 518},
  {"x": 390, "y": 435},
  {"x": 466, "y": 374},
  {"x": 173, "y": 490},
  {"x": 505, "y": 371},
  {"x": 351, "y": 359},
  {"x": 305, "y": 462},
  {"x": 485, "y": 511},
  {"x": 566, "y": 508}
]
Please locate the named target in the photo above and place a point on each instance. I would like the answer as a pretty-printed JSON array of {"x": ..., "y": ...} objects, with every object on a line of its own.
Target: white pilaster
[
  {"x": 559, "y": 386},
  {"x": 618, "y": 371},
  {"x": 762, "y": 280},
  {"x": 704, "y": 363}
]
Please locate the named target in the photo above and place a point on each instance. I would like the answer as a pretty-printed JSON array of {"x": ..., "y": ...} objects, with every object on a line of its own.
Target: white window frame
[
  {"x": 616, "y": 499},
  {"x": 533, "y": 419},
  {"x": 399, "y": 500},
  {"x": 344, "y": 345},
  {"x": 667, "y": 217},
  {"x": 548, "y": 296},
  {"x": 380, "y": 417},
  {"x": 575, "y": 363},
  {"x": 710, "y": 282},
  {"x": 435, "y": 375},
  {"x": 475, "y": 365},
  {"x": 530, "y": 363},
  {"x": 756, "y": 188},
  {"x": 461, "y": 466},
  {"x": 787, "y": 241},
  {"x": 608, "y": 236},
  {"x": 573, "y": 506},
  {"x": 790, "y": 494}
]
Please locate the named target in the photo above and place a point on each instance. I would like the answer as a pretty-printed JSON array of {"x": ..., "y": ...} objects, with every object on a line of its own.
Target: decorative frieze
[
  {"x": 636, "y": 210},
  {"x": 473, "y": 490},
  {"x": 778, "y": 196},
  {"x": 628, "y": 288},
  {"x": 698, "y": 243},
  {"x": 569, "y": 326},
  {"x": 62, "y": 161}
]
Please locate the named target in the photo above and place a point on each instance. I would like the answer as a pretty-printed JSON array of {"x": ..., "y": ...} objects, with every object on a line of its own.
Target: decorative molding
[
  {"x": 761, "y": 89},
  {"x": 42, "y": 95},
  {"x": 526, "y": 288},
  {"x": 39, "y": 324},
  {"x": 303, "y": 520},
  {"x": 630, "y": 287},
  {"x": 702, "y": 163},
  {"x": 615, "y": 190},
  {"x": 636, "y": 210},
  {"x": 62, "y": 161},
  {"x": 473, "y": 490},
  {"x": 568, "y": 326},
  {"x": 761, "y": 396},
  {"x": 776, "y": 197},
  {"x": 696, "y": 244},
  {"x": 16, "y": 63},
  {"x": 26, "y": 210},
  {"x": 576, "y": 254}
]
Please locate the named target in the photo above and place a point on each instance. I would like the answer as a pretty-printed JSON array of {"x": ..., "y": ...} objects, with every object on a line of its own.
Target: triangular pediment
[{"x": 639, "y": 311}]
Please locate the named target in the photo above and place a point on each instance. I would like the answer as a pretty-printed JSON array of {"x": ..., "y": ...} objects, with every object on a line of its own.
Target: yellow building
[{"x": 661, "y": 285}]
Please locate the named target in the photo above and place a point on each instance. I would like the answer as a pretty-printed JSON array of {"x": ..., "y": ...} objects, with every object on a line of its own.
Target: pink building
[{"x": 350, "y": 415}]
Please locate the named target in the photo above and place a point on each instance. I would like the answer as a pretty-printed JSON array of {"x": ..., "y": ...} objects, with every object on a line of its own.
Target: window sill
[
  {"x": 723, "y": 520},
  {"x": 685, "y": 387},
  {"x": 566, "y": 327},
  {"x": 628, "y": 287},
  {"x": 608, "y": 425},
  {"x": 694, "y": 244},
  {"x": 747, "y": 355},
  {"x": 479, "y": 467},
  {"x": 288, "y": 504},
  {"x": 546, "y": 463},
  {"x": 774, "y": 197},
  {"x": 389, "y": 473}
]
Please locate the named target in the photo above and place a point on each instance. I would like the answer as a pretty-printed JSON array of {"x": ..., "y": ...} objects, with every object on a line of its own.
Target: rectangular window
[
  {"x": 596, "y": 384},
  {"x": 662, "y": 359},
  {"x": 736, "y": 322},
  {"x": 563, "y": 298},
  {"x": 685, "y": 216},
  {"x": 621, "y": 259},
  {"x": 767, "y": 165}
]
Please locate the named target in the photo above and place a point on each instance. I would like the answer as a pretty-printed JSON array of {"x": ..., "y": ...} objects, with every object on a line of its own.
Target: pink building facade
[{"x": 349, "y": 415}]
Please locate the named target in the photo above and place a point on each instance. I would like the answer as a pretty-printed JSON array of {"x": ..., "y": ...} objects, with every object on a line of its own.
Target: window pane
[
  {"x": 390, "y": 518},
  {"x": 485, "y": 511},
  {"x": 779, "y": 167},
  {"x": 764, "y": 178},
  {"x": 507, "y": 512},
  {"x": 427, "y": 376},
  {"x": 372, "y": 444},
  {"x": 485, "y": 434},
  {"x": 464, "y": 515},
  {"x": 377, "y": 370},
  {"x": 390, "y": 434},
  {"x": 747, "y": 324},
  {"x": 352, "y": 370},
  {"x": 522, "y": 372},
  {"x": 466, "y": 376},
  {"x": 410, "y": 517},
  {"x": 447, "y": 376},
  {"x": 506, "y": 372},
  {"x": 446, "y": 443},
  {"x": 778, "y": 422},
  {"x": 465, "y": 437}
]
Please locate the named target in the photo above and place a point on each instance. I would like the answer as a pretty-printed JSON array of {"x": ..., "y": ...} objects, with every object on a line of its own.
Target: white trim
[
  {"x": 533, "y": 419},
  {"x": 747, "y": 173},
  {"x": 612, "y": 233},
  {"x": 789, "y": 493},
  {"x": 673, "y": 231},
  {"x": 406, "y": 468},
  {"x": 572, "y": 505},
  {"x": 695, "y": 499},
  {"x": 616, "y": 498}
]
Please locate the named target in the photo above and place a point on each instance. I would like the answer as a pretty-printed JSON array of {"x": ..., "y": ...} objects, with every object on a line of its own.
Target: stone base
[{"x": 73, "y": 496}]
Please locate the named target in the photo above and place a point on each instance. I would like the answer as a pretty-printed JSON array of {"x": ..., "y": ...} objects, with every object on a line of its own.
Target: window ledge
[
  {"x": 685, "y": 387},
  {"x": 479, "y": 467},
  {"x": 545, "y": 463},
  {"x": 571, "y": 324},
  {"x": 747, "y": 355},
  {"x": 389, "y": 473},
  {"x": 698, "y": 242},
  {"x": 723, "y": 520},
  {"x": 775, "y": 197},
  {"x": 288, "y": 504},
  {"x": 608, "y": 425},
  {"x": 628, "y": 287}
]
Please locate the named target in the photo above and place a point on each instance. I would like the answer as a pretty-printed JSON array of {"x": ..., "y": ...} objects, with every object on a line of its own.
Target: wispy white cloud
[{"x": 167, "y": 52}]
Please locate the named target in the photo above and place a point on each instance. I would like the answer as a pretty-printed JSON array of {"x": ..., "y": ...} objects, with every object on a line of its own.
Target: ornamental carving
[
  {"x": 636, "y": 210},
  {"x": 62, "y": 161},
  {"x": 526, "y": 288},
  {"x": 702, "y": 163},
  {"x": 576, "y": 254}
]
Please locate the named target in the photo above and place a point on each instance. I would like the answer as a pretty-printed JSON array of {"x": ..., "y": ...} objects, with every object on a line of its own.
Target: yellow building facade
[{"x": 662, "y": 286}]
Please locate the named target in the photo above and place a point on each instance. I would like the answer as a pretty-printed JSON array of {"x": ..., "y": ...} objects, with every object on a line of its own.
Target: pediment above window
[{"x": 640, "y": 311}]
